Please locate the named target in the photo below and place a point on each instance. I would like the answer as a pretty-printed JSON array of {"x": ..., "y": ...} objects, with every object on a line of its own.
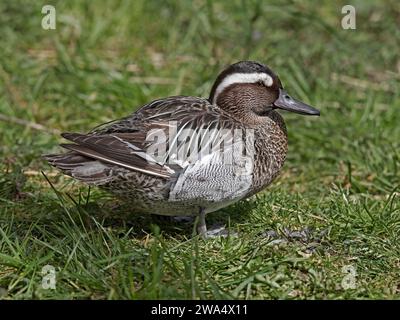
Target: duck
[{"x": 190, "y": 156}]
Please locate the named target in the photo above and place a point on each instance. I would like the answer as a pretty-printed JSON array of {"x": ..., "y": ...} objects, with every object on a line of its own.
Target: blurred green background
[{"x": 105, "y": 59}]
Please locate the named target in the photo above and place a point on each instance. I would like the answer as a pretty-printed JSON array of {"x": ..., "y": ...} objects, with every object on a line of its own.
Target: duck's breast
[{"x": 271, "y": 146}]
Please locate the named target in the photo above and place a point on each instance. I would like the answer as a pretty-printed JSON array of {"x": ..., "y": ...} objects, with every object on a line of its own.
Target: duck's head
[{"x": 251, "y": 86}]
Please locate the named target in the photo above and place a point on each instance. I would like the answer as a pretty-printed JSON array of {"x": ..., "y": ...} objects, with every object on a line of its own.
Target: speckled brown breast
[{"x": 271, "y": 146}]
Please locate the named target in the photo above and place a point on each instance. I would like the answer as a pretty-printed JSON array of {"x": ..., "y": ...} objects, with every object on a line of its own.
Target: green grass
[{"x": 340, "y": 182}]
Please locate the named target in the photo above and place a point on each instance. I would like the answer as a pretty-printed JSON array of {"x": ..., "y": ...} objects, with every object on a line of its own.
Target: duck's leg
[
  {"x": 216, "y": 231},
  {"x": 201, "y": 225}
]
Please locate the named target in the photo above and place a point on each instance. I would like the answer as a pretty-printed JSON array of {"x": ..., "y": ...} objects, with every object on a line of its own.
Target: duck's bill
[{"x": 286, "y": 102}]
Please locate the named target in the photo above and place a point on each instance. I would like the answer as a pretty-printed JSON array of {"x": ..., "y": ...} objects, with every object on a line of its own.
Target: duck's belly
[
  {"x": 179, "y": 208},
  {"x": 152, "y": 203},
  {"x": 210, "y": 188}
]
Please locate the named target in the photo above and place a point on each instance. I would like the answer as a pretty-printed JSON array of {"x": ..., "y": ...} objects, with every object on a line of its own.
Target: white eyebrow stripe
[{"x": 243, "y": 78}]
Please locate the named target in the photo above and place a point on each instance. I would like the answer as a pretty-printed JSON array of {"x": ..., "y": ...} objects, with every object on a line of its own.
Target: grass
[{"x": 335, "y": 204}]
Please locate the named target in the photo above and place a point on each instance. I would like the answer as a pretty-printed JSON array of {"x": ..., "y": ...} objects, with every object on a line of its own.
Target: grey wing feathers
[
  {"x": 124, "y": 143},
  {"x": 81, "y": 167},
  {"x": 115, "y": 151}
]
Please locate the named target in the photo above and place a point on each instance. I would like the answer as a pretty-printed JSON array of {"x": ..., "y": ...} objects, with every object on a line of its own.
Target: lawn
[{"x": 327, "y": 228}]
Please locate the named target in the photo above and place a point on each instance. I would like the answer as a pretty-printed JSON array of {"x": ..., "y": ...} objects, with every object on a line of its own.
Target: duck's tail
[{"x": 83, "y": 168}]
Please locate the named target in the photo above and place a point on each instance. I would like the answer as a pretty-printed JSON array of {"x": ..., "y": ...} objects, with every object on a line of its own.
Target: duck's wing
[{"x": 157, "y": 139}]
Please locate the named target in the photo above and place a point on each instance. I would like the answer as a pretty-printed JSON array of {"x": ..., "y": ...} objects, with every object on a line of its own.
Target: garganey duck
[{"x": 188, "y": 156}]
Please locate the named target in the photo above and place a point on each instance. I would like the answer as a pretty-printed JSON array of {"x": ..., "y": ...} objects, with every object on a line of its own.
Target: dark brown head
[{"x": 249, "y": 86}]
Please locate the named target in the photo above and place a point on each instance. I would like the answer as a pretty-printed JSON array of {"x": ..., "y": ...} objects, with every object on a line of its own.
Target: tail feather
[
  {"x": 81, "y": 167},
  {"x": 66, "y": 161}
]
